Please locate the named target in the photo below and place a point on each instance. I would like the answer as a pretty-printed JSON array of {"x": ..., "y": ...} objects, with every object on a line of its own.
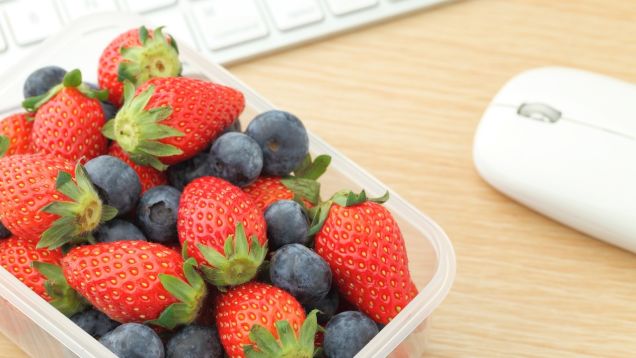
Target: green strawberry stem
[
  {"x": 79, "y": 217},
  {"x": 64, "y": 298},
  {"x": 72, "y": 79},
  {"x": 156, "y": 57},
  {"x": 5, "y": 142},
  {"x": 190, "y": 296},
  {"x": 137, "y": 130},
  {"x": 344, "y": 198},
  {"x": 288, "y": 346},
  {"x": 304, "y": 182},
  {"x": 239, "y": 264}
]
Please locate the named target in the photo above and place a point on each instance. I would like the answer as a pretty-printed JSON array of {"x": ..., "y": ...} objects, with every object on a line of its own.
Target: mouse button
[{"x": 539, "y": 111}]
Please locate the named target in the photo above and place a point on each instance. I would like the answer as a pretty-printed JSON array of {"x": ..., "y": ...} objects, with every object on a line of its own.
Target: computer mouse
[{"x": 563, "y": 142}]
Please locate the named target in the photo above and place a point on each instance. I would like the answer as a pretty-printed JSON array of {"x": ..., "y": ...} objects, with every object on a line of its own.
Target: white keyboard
[{"x": 227, "y": 30}]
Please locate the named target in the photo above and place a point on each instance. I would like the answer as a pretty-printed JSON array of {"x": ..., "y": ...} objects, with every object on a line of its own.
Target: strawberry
[
  {"x": 24, "y": 260},
  {"x": 41, "y": 200},
  {"x": 363, "y": 245},
  {"x": 136, "y": 281},
  {"x": 267, "y": 190},
  {"x": 137, "y": 55},
  {"x": 68, "y": 120},
  {"x": 169, "y": 120},
  {"x": 222, "y": 229},
  {"x": 149, "y": 176},
  {"x": 18, "y": 129},
  {"x": 251, "y": 318},
  {"x": 16, "y": 256}
]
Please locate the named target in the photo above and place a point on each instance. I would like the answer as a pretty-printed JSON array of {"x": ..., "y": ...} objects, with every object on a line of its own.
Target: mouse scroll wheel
[{"x": 540, "y": 112}]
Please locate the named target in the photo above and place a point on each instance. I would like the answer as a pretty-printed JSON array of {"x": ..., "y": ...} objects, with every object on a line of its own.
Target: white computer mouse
[{"x": 563, "y": 142}]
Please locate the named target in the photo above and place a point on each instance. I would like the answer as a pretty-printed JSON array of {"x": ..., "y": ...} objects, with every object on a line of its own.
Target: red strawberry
[
  {"x": 39, "y": 198},
  {"x": 136, "y": 281},
  {"x": 267, "y": 190},
  {"x": 68, "y": 120},
  {"x": 18, "y": 129},
  {"x": 364, "y": 247},
  {"x": 222, "y": 229},
  {"x": 17, "y": 255},
  {"x": 136, "y": 55},
  {"x": 170, "y": 120},
  {"x": 259, "y": 313},
  {"x": 149, "y": 176}
]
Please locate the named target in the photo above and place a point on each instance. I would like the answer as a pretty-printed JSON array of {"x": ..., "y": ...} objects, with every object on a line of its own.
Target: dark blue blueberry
[
  {"x": 194, "y": 341},
  {"x": 4, "y": 232},
  {"x": 133, "y": 340},
  {"x": 286, "y": 224},
  {"x": 157, "y": 213},
  {"x": 181, "y": 174},
  {"x": 347, "y": 333},
  {"x": 301, "y": 272},
  {"x": 117, "y": 183},
  {"x": 94, "y": 322},
  {"x": 283, "y": 139},
  {"x": 42, "y": 80},
  {"x": 118, "y": 230},
  {"x": 110, "y": 110},
  {"x": 327, "y": 305},
  {"x": 236, "y": 158},
  {"x": 234, "y": 127}
]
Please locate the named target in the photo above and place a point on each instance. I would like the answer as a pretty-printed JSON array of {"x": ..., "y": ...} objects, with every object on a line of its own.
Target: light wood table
[{"x": 403, "y": 99}]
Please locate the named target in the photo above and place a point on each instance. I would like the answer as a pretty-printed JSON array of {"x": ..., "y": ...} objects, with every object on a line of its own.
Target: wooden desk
[{"x": 403, "y": 99}]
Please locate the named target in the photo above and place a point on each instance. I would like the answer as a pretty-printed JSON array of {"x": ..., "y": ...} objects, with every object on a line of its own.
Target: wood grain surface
[{"x": 403, "y": 99}]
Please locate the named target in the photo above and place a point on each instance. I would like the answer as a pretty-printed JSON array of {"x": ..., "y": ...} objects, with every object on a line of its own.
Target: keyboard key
[
  {"x": 175, "y": 25},
  {"x": 225, "y": 23},
  {"x": 149, "y": 5},
  {"x": 79, "y": 8},
  {"x": 289, "y": 14},
  {"x": 341, "y": 7},
  {"x": 30, "y": 24}
]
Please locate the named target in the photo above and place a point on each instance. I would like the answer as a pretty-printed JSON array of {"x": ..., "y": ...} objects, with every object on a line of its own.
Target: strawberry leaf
[
  {"x": 4, "y": 145},
  {"x": 288, "y": 344},
  {"x": 64, "y": 298},
  {"x": 240, "y": 263},
  {"x": 309, "y": 169},
  {"x": 305, "y": 188},
  {"x": 190, "y": 296}
]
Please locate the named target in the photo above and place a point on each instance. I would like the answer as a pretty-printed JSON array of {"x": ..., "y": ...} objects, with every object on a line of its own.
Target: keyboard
[{"x": 226, "y": 30}]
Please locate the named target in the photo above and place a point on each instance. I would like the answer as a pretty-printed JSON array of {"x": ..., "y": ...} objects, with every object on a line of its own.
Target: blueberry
[
  {"x": 327, "y": 305},
  {"x": 283, "y": 139},
  {"x": 157, "y": 213},
  {"x": 110, "y": 110},
  {"x": 301, "y": 272},
  {"x": 117, "y": 183},
  {"x": 286, "y": 224},
  {"x": 133, "y": 340},
  {"x": 234, "y": 127},
  {"x": 347, "y": 333},
  {"x": 194, "y": 341},
  {"x": 4, "y": 232},
  {"x": 94, "y": 322},
  {"x": 181, "y": 174},
  {"x": 236, "y": 158},
  {"x": 118, "y": 230},
  {"x": 42, "y": 80}
]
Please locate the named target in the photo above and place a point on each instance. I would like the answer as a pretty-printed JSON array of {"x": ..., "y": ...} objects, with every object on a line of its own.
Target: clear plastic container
[{"x": 41, "y": 331}]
